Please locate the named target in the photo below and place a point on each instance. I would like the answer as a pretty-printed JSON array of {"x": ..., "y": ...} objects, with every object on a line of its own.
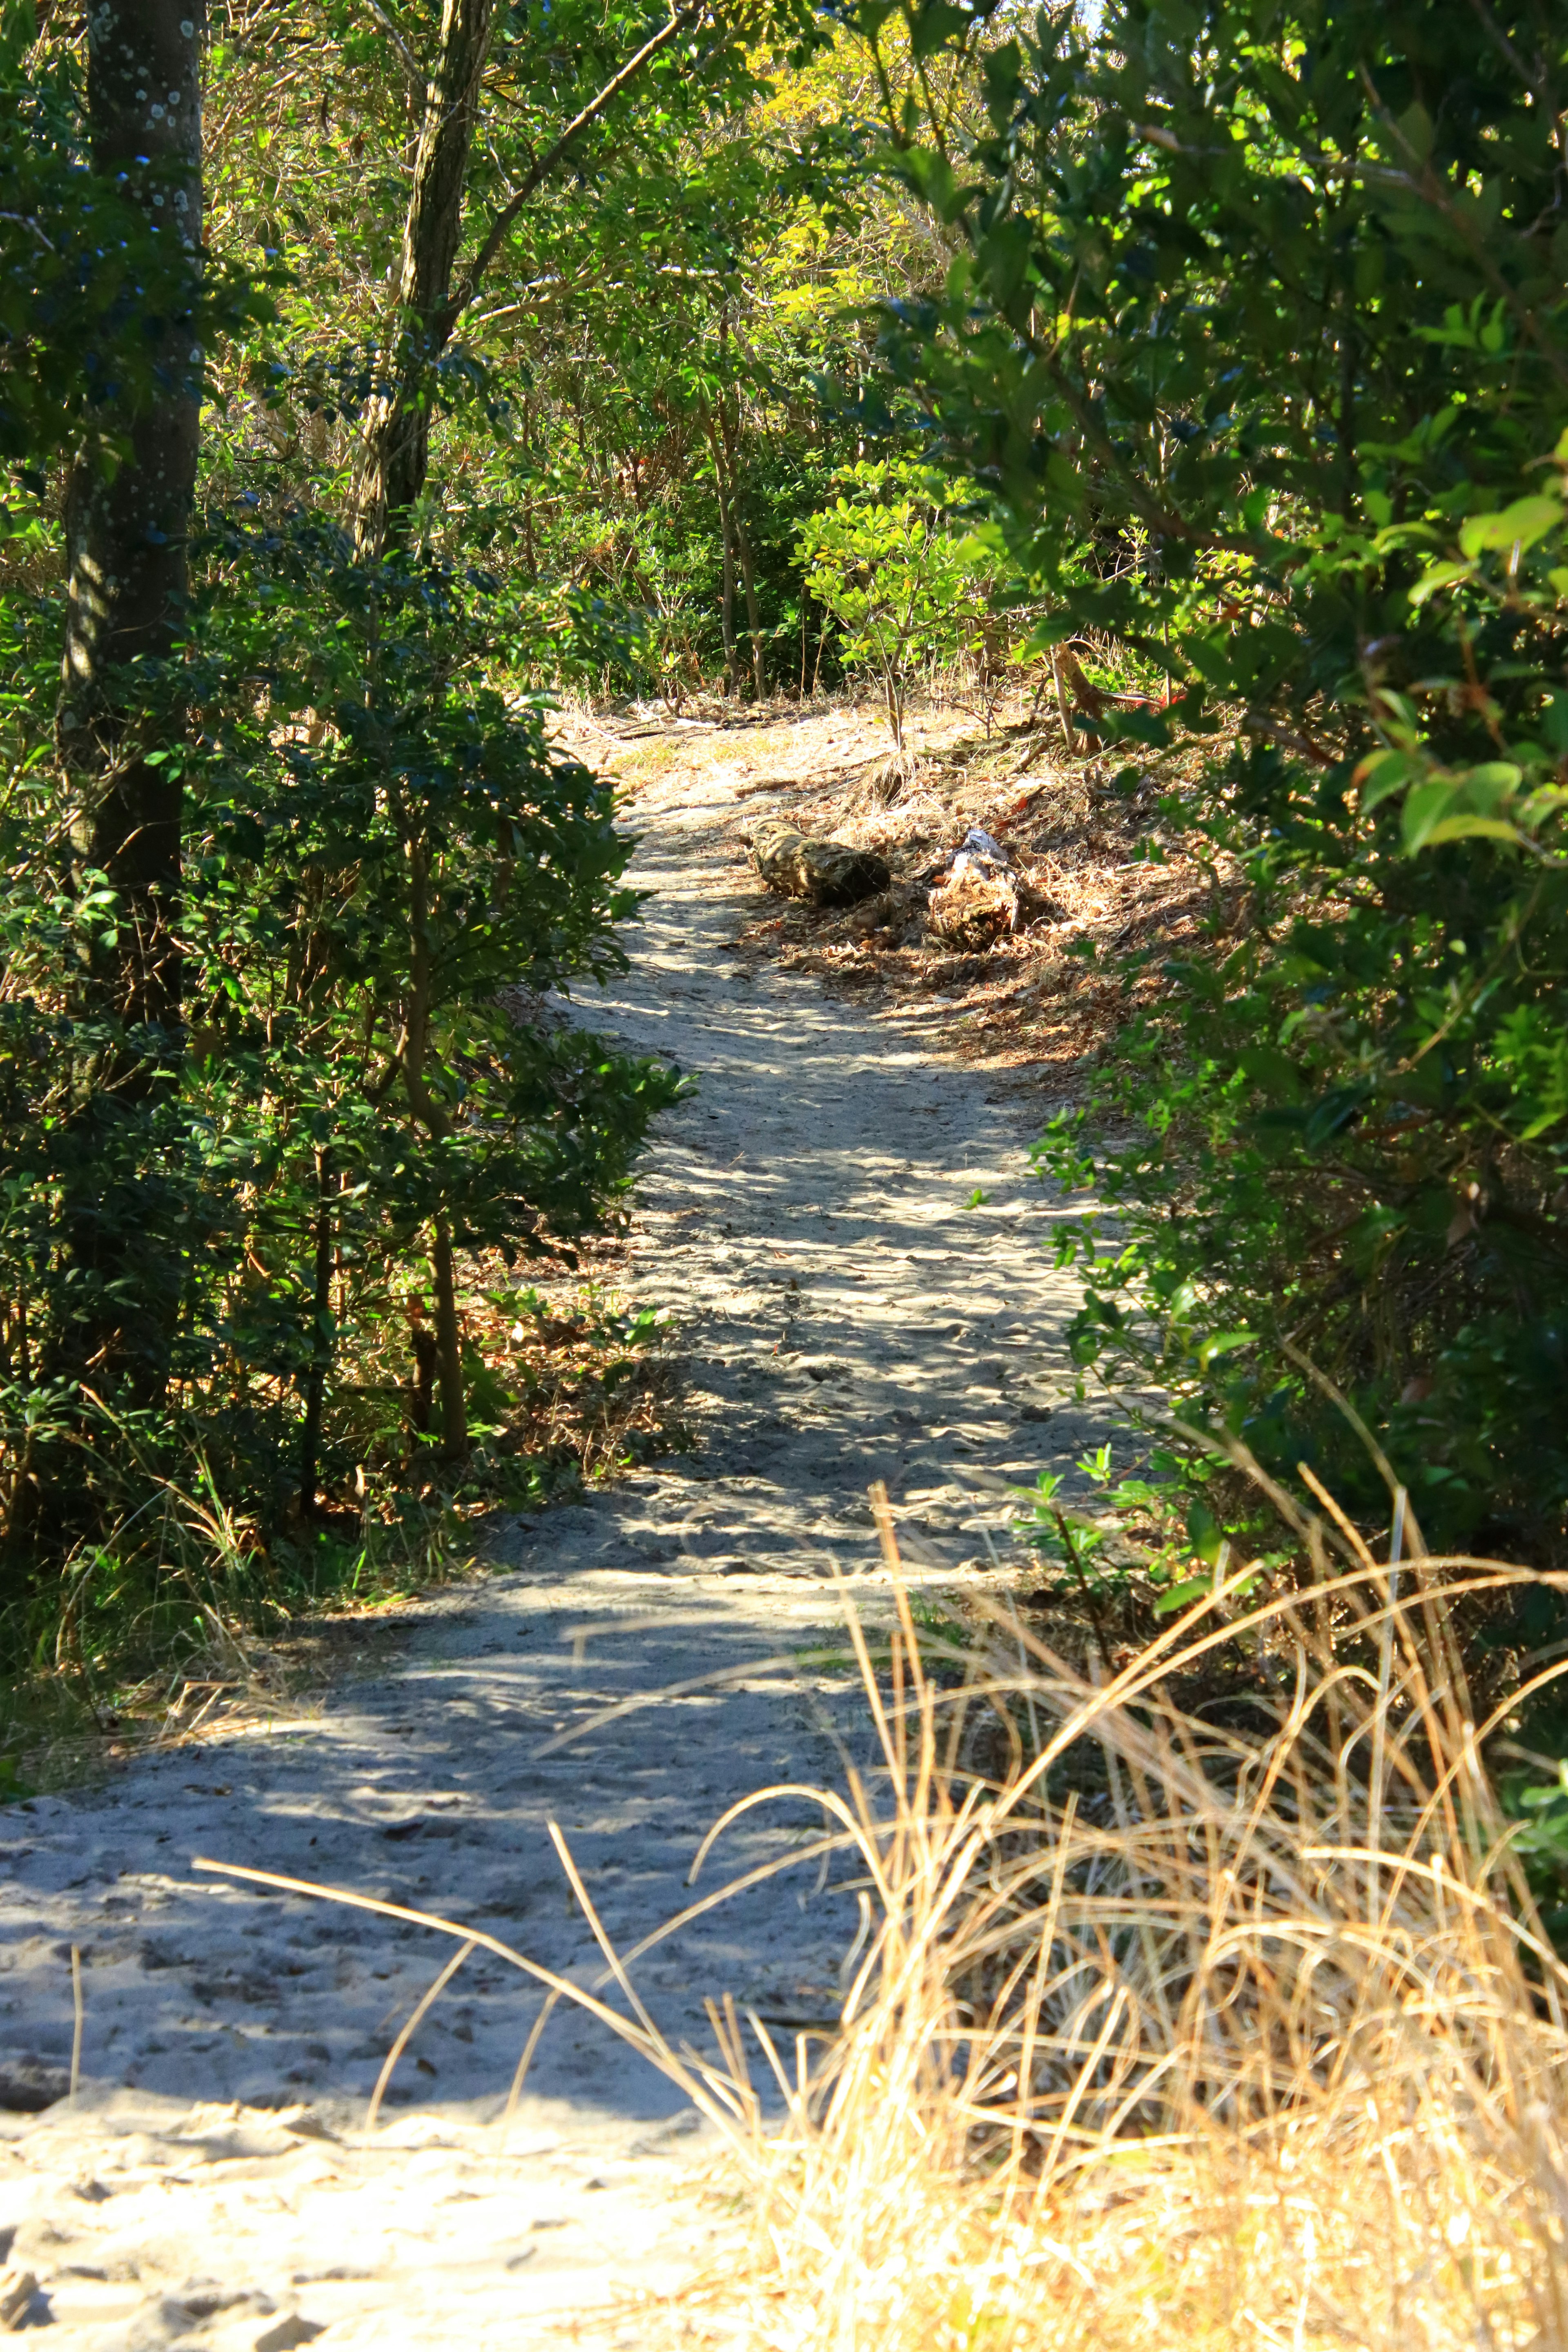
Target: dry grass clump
[
  {"x": 1173, "y": 2036},
  {"x": 1168, "y": 2032}
]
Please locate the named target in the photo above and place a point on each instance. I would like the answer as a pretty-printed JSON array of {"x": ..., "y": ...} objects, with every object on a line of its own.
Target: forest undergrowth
[{"x": 202, "y": 1616}]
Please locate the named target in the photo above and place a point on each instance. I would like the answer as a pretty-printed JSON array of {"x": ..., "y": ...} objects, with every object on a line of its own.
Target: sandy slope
[{"x": 847, "y": 1318}]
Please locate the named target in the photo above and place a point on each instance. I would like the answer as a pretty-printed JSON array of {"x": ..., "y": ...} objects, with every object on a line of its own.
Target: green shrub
[
  {"x": 907, "y": 583},
  {"x": 1256, "y": 331}
]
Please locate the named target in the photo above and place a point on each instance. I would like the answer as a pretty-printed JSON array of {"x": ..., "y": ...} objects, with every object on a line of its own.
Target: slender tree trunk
[
  {"x": 394, "y": 447},
  {"x": 321, "y": 1339},
  {"x": 394, "y": 462},
  {"x": 127, "y": 529},
  {"x": 437, "y": 1121},
  {"x": 743, "y": 547},
  {"x": 727, "y": 534},
  {"x": 448, "y": 1344},
  {"x": 753, "y": 626},
  {"x": 422, "y": 1392},
  {"x": 727, "y": 602},
  {"x": 1062, "y": 705}
]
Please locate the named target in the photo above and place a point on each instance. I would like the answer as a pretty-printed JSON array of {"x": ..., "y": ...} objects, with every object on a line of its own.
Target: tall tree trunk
[
  {"x": 395, "y": 445},
  {"x": 321, "y": 1339},
  {"x": 727, "y": 534},
  {"x": 127, "y": 530},
  {"x": 729, "y": 428}
]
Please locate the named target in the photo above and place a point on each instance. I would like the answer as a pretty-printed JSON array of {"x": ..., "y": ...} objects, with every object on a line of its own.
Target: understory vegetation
[{"x": 1254, "y": 329}]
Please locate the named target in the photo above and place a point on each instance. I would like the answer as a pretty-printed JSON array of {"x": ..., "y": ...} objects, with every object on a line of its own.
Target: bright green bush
[{"x": 908, "y": 585}]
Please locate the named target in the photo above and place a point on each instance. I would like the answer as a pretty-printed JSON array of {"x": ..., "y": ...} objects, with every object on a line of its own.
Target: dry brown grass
[
  {"x": 1167, "y": 2034},
  {"x": 1170, "y": 2036}
]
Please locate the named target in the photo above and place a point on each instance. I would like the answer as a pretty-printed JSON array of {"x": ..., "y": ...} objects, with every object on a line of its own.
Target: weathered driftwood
[
  {"x": 802, "y": 866},
  {"x": 974, "y": 909}
]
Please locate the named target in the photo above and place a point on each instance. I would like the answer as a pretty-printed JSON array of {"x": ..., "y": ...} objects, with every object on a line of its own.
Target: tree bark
[
  {"x": 727, "y": 597},
  {"x": 127, "y": 532},
  {"x": 422, "y": 1389},
  {"x": 728, "y": 427},
  {"x": 727, "y": 536},
  {"x": 127, "y": 507},
  {"x": 321, "y": 1339},
  {"x": 449, "y": 1345},
  {"x": 437, "y": 1121},
  {"x": 395, "y": 445}
]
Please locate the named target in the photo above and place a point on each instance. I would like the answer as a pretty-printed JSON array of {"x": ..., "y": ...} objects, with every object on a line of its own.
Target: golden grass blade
[
  {"x": 619, "y": 1713},
  {"x": 535, "y": 2035},
  {"x": 653, "y": 2049},
  {"x": 426, "y": 2000}
]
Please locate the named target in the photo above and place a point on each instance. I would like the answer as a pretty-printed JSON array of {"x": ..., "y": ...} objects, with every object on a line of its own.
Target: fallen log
[{"x": 803, "y": 866}]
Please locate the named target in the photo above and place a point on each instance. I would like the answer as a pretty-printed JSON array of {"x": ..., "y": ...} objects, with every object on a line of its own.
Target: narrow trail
[{"x": 846, "y": 1317}]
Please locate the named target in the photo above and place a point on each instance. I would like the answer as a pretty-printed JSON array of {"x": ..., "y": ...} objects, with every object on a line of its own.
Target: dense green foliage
[
  {"x": 627, "y": 427},
  {"x": 230, "y": 1246},
  {"x": 1254, "y": 323}
]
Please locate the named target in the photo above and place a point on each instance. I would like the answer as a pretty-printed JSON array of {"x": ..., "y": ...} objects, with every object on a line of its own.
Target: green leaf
[
  {"x": 1519, "y": 525},
  {"x": 1424, "y": 809},
  {"x": 934, "y": 25},
  {"x": 1384, "y": 772},
  {"x": 1204, "y": 1531},
  {"x": 1224, "y": 1343},
  {"x": 1182, "y": 1596},
  {"x": 1441, "y": 575},
  {"x": 1416, "y": 131},
  {"x": 1461, "y": 828}
]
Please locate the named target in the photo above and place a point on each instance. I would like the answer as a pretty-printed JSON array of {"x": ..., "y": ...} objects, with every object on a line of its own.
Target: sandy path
[{"x": 847, "y": 1318}]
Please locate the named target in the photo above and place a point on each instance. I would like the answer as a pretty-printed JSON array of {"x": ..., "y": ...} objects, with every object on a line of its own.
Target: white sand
[{"x": 847, "y": 1318}]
